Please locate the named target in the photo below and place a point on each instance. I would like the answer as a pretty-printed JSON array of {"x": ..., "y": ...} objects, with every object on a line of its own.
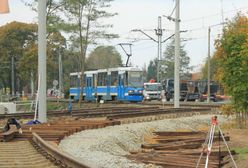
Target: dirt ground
[{"x": 239, "y": 139}]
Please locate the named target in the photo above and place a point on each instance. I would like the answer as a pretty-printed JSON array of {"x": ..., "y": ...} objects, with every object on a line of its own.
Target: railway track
[
  {"x": 181, "y": 149},
  {"x": 22, "y": 154},
  {"x": 32, "y": 147},
  {"x": 90, "y": 112},
  {"x": 107, "y": 111},
  {"x": 33, "y": 141}
]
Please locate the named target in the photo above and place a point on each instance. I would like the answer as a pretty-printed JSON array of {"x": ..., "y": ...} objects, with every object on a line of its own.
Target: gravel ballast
[{"x": 107, "y": 147}]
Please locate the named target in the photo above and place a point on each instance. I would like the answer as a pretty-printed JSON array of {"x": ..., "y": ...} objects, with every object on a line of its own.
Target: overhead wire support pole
[
  {"x": 60, "y": 74},
  {"x": 177, "y": 56},
  {"x": 208, "y": 97},
  {"x": 159, "y": 33},
  {"x": 135, "y": 30},
  {"x": 42, "y": 116},
  {"x": 209, "y": 61},
  {"x": 13, "y": 75},
  {"x": 182, "y": 31}
]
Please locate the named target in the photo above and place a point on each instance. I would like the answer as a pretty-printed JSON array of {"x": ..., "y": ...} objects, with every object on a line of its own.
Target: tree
[
  {"x": 80, "y": 19},
  {"x": 54, "y": 14},
  {"x": 83, "y": 16},
  {"x": 103, "y": 57},
  {"x": 168, "y": 62},
  {"x": 144, "y": 72},
  {"x": 152, "y": 70},
  {"x": 19, "y": 40},
  {"x": 15, "y": 40},
  {"x": 214, "y": 66},
  {"x": 232, "y": 58}
]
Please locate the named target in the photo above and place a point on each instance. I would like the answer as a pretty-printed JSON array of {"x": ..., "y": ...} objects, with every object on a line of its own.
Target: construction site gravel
[{"x": 107, "y": 147}]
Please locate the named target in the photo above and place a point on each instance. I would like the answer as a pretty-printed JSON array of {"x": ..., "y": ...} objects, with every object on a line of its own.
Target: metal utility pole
[
  {"x": 42, "y": 116},
  {"x": 159, "y": 33},
  {"x": 130, "y": 51},
  {"x": 60, "y": 74},
  {"x": 209, "y": 31},
  {"x": 32, "y": 83},
  {"x": 209, "y": 64},
  {"x": 177, "y": 56},
  {"x": 12, "y": 76}
]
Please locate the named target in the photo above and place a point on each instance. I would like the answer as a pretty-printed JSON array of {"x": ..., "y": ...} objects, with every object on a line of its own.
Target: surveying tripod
[{"x": 209, "y": 143}]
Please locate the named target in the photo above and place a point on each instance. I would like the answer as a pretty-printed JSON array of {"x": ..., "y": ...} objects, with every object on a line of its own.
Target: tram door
[
  {"x": 108, "y": 84},
  {"x": 89, "y": 87},
  {"x": 121, "y": 88}
]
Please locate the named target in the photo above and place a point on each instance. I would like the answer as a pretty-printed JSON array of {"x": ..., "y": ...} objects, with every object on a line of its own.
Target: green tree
[
  {"x": 213, "y": 68},
  {"x": 103, "y": 57},
  {"x": 152, "y": 70},
  {"x": 85, "y": 28},
  {"x": 54, "y": 14},
  {"x": 232, "y": 57},
  {"x": 15, "y": 39},
  {"x": 19, "y": 40},
  {"x": 168, "y": 62},
  {"x": 56, "y": 43}
]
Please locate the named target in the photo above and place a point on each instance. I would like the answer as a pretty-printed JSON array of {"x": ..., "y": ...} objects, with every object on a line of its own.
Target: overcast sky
[{"x": 196, "y": 16}]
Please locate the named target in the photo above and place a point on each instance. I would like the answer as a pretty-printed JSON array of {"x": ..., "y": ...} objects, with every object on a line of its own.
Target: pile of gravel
[{"x": 107, "y": 147}]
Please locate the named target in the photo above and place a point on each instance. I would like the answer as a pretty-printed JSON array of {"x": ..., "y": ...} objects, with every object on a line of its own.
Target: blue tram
[{"x": 121, "y": 84}]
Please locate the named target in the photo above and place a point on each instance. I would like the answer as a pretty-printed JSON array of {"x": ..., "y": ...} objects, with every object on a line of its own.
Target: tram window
[
  {"x": 125, "y": 79},
  {"x": 84, "y": 80},
  {"x": 101, "y": 79},
  {"x": 74, "y": 81},
  {"x": 114, "y": 76},
  {"x": 95, "y": 80}
]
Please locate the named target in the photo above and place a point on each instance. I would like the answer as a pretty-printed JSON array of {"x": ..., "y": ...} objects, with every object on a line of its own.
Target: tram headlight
[
  {"x": 130, "y": 92},
  {"x": 141, "y": 91}
]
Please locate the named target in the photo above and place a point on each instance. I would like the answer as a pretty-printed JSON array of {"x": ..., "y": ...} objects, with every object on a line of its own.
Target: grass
[
  {"x": 242, "y": 152},
  {"x": 56, "y": 106}
]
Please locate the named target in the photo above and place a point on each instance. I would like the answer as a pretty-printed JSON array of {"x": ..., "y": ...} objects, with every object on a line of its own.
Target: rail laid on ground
[
  {"x": 22, "y": 155},
  {"x": 31, "y": 148},
  {"x": 56, "y": 156},
  {"x": 103, "y": 111},
  {"x": 58, "y": 129},
  {"x": 181, "y": 149}
]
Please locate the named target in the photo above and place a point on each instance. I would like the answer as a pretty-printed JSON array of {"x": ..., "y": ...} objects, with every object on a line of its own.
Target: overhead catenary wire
[{"x": 216, "y": 14}]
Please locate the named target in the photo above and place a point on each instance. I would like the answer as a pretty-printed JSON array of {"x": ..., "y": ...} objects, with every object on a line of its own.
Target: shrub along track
[{"x": 13, "y": 154}]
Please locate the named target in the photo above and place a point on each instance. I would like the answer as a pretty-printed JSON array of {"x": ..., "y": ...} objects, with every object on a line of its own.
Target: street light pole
[{"x": 42, "y": 116}]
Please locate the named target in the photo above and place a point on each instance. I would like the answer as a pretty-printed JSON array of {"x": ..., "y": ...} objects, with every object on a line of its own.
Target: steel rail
[{"x": 59, "y": 157}]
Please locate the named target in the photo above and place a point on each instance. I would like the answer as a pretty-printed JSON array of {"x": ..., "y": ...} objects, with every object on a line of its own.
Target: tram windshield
[
  {"x": 135, "y": 79},
  {"x": 74, "y": 81}
]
